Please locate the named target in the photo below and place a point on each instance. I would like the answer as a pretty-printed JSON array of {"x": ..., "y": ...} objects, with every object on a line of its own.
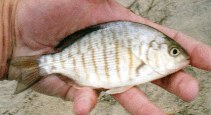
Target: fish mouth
[
  {"x": 183, "y": 64},
  {"x": 188, "y": 58}
]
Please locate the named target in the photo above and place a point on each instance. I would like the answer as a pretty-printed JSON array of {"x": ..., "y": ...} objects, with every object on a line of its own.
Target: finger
[
  {"x": 53, "y": 86},
  {"x": 181, "y": 84},
  {"x": 84, "y": 99},
  {"x": 137, "y": 103}
]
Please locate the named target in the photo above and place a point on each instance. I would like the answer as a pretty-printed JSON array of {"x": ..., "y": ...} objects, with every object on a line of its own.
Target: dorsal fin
[{"x": 69, "y": 40}]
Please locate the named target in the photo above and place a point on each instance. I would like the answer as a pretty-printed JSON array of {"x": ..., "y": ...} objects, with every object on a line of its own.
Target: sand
[{"x": 191, "y": 17}]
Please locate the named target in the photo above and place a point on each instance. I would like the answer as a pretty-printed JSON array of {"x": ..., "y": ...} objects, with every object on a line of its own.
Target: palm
[
  {"x": 42, "y": 25},
  {"x": 41, "y": 30}
]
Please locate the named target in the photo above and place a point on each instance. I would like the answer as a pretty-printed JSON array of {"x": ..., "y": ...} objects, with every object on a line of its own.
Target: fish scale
[
  {"x": 101, "y": 70},
  {"x": 113, "y": 55}
]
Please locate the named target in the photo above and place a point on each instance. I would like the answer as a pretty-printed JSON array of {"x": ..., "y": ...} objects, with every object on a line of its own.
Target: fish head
[{"x": 168, "y": 58}]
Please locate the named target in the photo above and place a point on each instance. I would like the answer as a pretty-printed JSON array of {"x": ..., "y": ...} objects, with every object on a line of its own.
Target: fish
[{"x": 114, "y": 56}]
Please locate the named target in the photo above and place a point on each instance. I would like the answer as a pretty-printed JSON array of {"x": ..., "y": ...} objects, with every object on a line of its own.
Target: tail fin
[{"x": 25, "y": 70}]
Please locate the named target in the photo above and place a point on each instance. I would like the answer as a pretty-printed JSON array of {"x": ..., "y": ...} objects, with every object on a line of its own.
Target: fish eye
[{"x": 174, "y": 51}]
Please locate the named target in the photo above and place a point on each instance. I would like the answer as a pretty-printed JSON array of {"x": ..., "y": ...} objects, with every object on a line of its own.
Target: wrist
[{"x": 7, "y": 22}]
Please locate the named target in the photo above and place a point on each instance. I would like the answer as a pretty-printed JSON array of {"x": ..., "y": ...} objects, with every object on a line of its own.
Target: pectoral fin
[{"x": 118, "y": 90}]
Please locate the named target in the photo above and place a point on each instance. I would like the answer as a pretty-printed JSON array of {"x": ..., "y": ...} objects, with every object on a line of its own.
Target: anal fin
[{"x": 118, "y": 90}]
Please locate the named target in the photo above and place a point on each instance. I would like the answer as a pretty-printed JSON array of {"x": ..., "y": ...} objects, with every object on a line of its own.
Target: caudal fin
[{"x": 25, "y": 70}]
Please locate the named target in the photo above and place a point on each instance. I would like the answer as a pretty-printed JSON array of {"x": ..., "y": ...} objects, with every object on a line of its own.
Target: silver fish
[{"x": 113, "y": 56}]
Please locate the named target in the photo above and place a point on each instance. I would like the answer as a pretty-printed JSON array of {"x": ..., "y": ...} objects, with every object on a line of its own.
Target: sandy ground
[{"x": 188, "y": 16}]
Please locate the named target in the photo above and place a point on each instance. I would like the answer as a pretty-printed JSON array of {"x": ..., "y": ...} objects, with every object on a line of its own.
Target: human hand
[{"x": 40, "y": 25}]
